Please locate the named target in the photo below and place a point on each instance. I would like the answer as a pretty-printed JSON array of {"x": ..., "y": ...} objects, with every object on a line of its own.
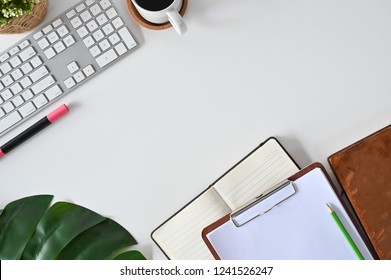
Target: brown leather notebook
[{"x": 364, "y": 172}]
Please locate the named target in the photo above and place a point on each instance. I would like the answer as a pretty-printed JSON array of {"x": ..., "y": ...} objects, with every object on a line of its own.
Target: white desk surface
[{"x": 156, "y": 128}]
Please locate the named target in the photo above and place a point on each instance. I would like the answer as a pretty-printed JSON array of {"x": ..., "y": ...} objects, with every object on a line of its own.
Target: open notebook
[{"x": 180, "y": 236}]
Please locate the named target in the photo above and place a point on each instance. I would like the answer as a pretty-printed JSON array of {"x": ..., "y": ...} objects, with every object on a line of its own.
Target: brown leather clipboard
[
  {"x": 364, "y": 171},
  {"x": 294, "y": 177}
]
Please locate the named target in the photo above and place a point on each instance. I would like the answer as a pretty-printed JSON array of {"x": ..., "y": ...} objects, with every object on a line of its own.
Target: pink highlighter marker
[{"x": 34, "y": 129}]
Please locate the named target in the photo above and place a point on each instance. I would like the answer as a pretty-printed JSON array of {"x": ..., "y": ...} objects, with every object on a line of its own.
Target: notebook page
[
  {"x": 180, "y": 237},
  {"x": 299, "y": 228},
  {"x": 263, "y": 169}
]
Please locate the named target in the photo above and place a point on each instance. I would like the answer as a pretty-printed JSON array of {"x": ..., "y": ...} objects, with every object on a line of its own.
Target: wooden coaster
[{"x": 140, "y": 20}]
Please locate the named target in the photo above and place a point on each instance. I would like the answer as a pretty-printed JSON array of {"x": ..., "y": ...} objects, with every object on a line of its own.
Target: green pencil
[{"x": 345, "y": 233}]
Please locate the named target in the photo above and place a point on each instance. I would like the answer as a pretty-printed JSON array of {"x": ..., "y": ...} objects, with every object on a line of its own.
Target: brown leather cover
[{"x": 364, "y": 172}]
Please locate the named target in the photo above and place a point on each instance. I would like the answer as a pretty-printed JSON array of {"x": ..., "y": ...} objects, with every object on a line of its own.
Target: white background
[{"x": 156, "y": 128}]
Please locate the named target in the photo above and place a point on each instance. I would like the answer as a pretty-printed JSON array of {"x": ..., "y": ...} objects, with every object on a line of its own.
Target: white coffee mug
[{"x": 162, "y": 11}]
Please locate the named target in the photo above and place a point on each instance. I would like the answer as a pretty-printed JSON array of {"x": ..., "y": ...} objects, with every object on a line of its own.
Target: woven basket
[{"x": 26, "y": 22}]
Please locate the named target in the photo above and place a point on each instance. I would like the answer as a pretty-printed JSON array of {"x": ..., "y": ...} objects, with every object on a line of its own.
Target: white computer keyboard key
[
  {"x": 50, "y": 53},
  {"x": 53, "y": 37},
  {"x": 5, "y": 68},
  {"x": 17, "y": 74},
  {"x": 27, "y": 94},
  {"x": 95, "y": 51},
  {"x": 101, "y": 19},
  {"x": 39, "y": 73},
  {"x": 88, "y": 70},
  {"x": 9, "y": 121},
  {"x": 27, "y": 109},
  {"x": 108, "y": 29},
  {"x": 82, "y": 31},
  {"x": 106, "y": 58},
  {"x": 1, "y": 112},
  {"x": 24, "y": 44},
  {"x": 104, "y": 45},
  {"x": 26, "y": 82},
  {"x": 73, "y": 67},
  {"x": 69, "y": 41},
  {"x": 15, "y": 61},
  {"x": 80, "y": 7},
  {"x": 98, "y": 35},
  {"x": 85, "y": 16},
  {"x": 14, "y": 50},
  {"x": 47, "y": 29},
  {"x": 118, "y": 23},
  {"x": 43, "y": 43},
  {"x": 16, "y": 88},
  {"x": 90, "y": 2},
  {"x": 111, "y": 13},
  {"x": 76, "y": 22},
  {"x": 7, "y": 80},
  {"x": 105, "y": 4},
  {"x": 92, "y": 25},
  {"x": 114, "y": 39},
  {"x": 39, "y": 101},
  {"x": 6, "y": 94},
  {"x": 42, "y": 84},
  {"x": 36, "y": 61},
  {"x": 95, "y": 9},
  {"x": 88, "y": 41},
  {"x": 17, "y": 101},
  {"x": 57, "y": 23},
  {"x": 37, "y": 35},
  {"x": 27, "y": 53},
  {"x": 59, "y": 47},
  {"x": 8, "y": 107},
  {"x": 70, "y": 14},
  {"x": 127, "y": 37},
  {"x": 53, "y": 92},
  {"x": 26, "y": 68},
  {"x": 4, "y": 57},
  {"x": 1, "y": 88},
  {"x": 121, "y": 49},
  {"x": 69, "y": 83},
  {"x": 62, "y": 31},
  {"x": 79, "y": 76}
]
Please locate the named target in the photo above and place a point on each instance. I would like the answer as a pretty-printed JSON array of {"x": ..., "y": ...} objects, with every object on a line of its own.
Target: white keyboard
[{"x": 64, "y": 53}]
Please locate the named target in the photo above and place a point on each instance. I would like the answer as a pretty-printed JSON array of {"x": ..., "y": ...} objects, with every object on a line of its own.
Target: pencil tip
[{"x": 329, "y": 208}]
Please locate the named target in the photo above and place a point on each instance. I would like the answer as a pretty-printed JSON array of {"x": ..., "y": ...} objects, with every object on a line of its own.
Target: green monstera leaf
[{"x": 30, "y": 229}]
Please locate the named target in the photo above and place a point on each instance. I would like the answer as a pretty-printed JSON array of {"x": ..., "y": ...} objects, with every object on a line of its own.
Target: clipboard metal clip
[{"x": 263, "y": 203}]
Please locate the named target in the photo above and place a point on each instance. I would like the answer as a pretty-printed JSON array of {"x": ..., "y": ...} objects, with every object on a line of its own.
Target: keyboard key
[
  {"x": 4, "y": 57},
  {"x": 16, "y": 88},
  {"x": 47, "y": 29},
  {"x": 69, "y": 41},
  {"x": 104, "y": 45},
  {"x": 26, "y": 82},
  {"x": 40, "y": 100},
  {"x": 57, "y": 23},
  {"x": 106, "y": 58},
  {"x": 69, "y": 83},
  {"x": 95, "y": 51},
  {"x": 98, "y": 35},
  {"x": 6, "y": 94},
  {"x": 27, "y": 109},
  {"x": 27, "y": 95},
  {"x": 50, "y": 53},
  {"x": 108, "y": 29},
  {"x": 127, "y": 37},
  {"x": 90, "y": 2},
  {"x": 88, "y": 41},
  {"x": 70, "y": 14},
  {"x": 114, "y": 39},
  {"x": 27, "y": 54},
  {"x": 39, "y": 73},
  {"x": 88, "y": 70},
  {"x": 79, "y": 76},
  {"x": 9, "y": 121},
  {"x": 59, "y": 47},
  {"x": 17, "y": 101},
  {"x": 82, "y": 31},
  {"x": 7, "y": 80},
  {"x": 24, "y": 44},
  {"x": 118, "y": 23},
  {"x": 62, "y": 31},
  {"x": 121, "y": 49},
  {"x": 80, "y": 8},
  {"x": 92, "y": 25},
  {"x": 53, "y": 37},
  {"x": 95, "y": 9},
  {"x": 37, "y": 35},
  {"x": 17, "y": 74},
  {"x": 105, "y": 4},
  {"x": 53, "y": 92},
  {"x": 43, "y": 43},
  {"x": 8, "y": 107},
  {"x": 42, "y": 85},
  {"x": 111, "y": 13},
  {"x": 73, "y": 67},
  {"x": 101, "y": 19},
  {"x": 15, "y": 61},
  {"x": 14, "y": 51},
  {"x": 36, "y": 61},
  {"x": 76, "y": 22},
  {"x": 85, "y": 16}
]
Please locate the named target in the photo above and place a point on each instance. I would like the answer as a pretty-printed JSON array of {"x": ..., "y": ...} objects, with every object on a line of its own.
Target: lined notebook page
[
  {"x": 180, "y": 237},
  {"x": 263, "y": 169}
]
